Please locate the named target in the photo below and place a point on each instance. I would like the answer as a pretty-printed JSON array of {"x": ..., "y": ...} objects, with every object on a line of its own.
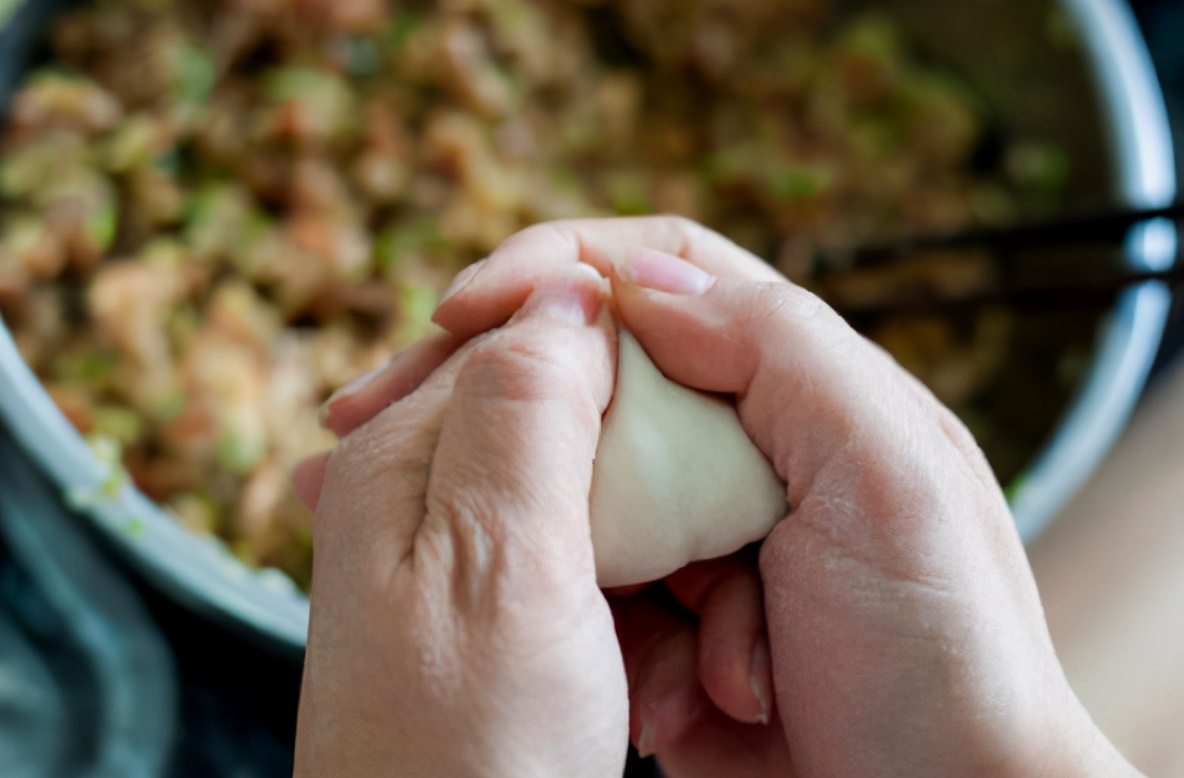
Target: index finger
[{"x": 488, "y": 297}]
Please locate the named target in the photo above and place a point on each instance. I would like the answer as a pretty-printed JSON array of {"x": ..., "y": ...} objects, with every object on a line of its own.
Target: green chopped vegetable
[
  {"x": 22, "y": 233},
  {"x": 878, "y": 137},
  {"x": 417, "y": 303},
  {"x": 183, "y": 323},
  {"x": 326, "y": 104},
  {"x": 401, "y": 28},
  {"x": 732, "y": 165},
  {"x": 875, "y": 37},
  {"x": 169, "y": 407},
  {"x": 130, "y": 146},
  {"x": 194, "y": 74},
  {"x": 30, "y": 169},
  {"x": 199, "y": 511},
  {"x": 213, "y": 218},
  {"x": 1015, "y": 487},
  {"x": 1038, "y": 167},
  {"x": 238, "y": 453},
  {"x": 122, "y": 424},
  {"x": 795, "y": 184},
  {"x": 297, "y": 82},
  {"x": 85, "y": 367},
  {"x": 628, "y": 195},
  {"x": 163, "y": 252},
  {"x": 106, "y": 448},
  {"x": 102, "y": 225},
  {"x": 110, "y": 452},
  {"x": 399, "y": 241}
]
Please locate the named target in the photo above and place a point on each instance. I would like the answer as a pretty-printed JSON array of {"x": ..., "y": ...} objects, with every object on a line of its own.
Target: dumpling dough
[{"x": 676, "y": 477}]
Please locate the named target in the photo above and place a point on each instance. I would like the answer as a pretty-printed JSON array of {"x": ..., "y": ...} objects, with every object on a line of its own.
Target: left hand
[{"x": 456, "y": 625}]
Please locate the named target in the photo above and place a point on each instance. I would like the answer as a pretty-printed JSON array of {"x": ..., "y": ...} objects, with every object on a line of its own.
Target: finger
[
  {"x": 486, "y": 296},
  {"x": 371, "y": 502},
  {"x": 514, "y": 464},
  {"x": 733, "y": 662},
  {"x": 806, "y": 383},
  {"x": 363, "y": 398},
  {"x": 308, "y": 477},
  {"x": 385, "y": 460},
  {"x": 671, "y": 716},
  {"x": 659, "y": 650}
]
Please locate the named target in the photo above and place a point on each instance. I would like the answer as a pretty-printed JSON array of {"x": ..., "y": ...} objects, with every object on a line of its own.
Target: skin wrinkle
[
  {"x": 480, "y": 561},
  {"x": 467, "y": 521}
]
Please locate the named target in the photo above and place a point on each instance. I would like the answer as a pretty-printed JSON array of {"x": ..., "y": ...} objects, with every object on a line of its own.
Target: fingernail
[
  {"x": 645, "y": 743},
  {"x": 589, "y": 272},
  {"x": 463, "y": 279},
  {"x": 758, "y": 677},
  {"x": 565, "y": 300},
  {"x": 350, "y": 389},
  {"x": 663, "y": 272}
]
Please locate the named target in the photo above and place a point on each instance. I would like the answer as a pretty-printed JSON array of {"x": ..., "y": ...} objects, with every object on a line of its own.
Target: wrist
[{"x": 1079, "y": 750}]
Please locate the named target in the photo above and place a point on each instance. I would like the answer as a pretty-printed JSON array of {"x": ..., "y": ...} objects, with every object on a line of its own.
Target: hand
[
  {"x": 456, "y": 626},
  {"x": 905, "y": 628},
  {"x": 728, "y": 646}
]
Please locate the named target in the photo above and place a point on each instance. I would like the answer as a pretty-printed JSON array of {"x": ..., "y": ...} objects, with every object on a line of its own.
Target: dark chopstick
[
  {"x": 1072, "y": 229},
  {"x": 1042, "y": 297}
]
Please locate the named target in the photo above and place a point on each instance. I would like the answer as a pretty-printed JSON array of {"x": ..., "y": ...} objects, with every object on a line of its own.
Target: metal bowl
[{"x": 1099, "y": 98}]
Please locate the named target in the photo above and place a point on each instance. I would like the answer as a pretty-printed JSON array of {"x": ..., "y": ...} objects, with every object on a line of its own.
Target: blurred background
[{"x": 105, "y": 671}]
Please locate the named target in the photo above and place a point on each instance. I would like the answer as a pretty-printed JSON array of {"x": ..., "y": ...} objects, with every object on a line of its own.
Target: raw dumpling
[{"x": 676, "y": 477}]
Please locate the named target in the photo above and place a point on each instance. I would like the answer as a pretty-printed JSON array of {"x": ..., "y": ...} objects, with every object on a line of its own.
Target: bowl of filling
[{"x": 214, "y": 214}]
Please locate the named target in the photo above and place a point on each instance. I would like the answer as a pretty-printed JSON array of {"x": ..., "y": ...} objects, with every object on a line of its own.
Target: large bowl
[{"x": 1098, "y": 98}]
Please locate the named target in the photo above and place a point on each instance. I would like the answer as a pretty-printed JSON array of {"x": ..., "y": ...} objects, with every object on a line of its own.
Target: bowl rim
[
  {"x": 201, "y": 573},
  {"x": 1144, "y": 172}
]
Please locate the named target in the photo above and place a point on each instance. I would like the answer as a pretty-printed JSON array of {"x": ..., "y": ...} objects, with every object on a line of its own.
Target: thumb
[
  {"x": 806, "y": 383},
  {"x": 519, "y": 438}
]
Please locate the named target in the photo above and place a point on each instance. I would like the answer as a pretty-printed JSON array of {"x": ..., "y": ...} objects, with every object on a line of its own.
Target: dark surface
[
  {"x": 87, "y": 680},
  {"x": 238, "y": 703}
]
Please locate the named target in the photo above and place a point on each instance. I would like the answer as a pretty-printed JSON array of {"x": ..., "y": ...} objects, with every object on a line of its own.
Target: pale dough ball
[{"x": 676, "y": 478}]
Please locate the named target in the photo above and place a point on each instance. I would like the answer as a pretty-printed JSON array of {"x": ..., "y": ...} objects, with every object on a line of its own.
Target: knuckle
[
  {"x": 687, "y": 227},
  {"x": 689, "y": 231},
  {"x": 468, "y": 518},
  {"x": 396, "y": 444},
  {"x": 552, "y": 234},
  {"x": 784, "y": 305},
  {"x": 519, "y": 367}
]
